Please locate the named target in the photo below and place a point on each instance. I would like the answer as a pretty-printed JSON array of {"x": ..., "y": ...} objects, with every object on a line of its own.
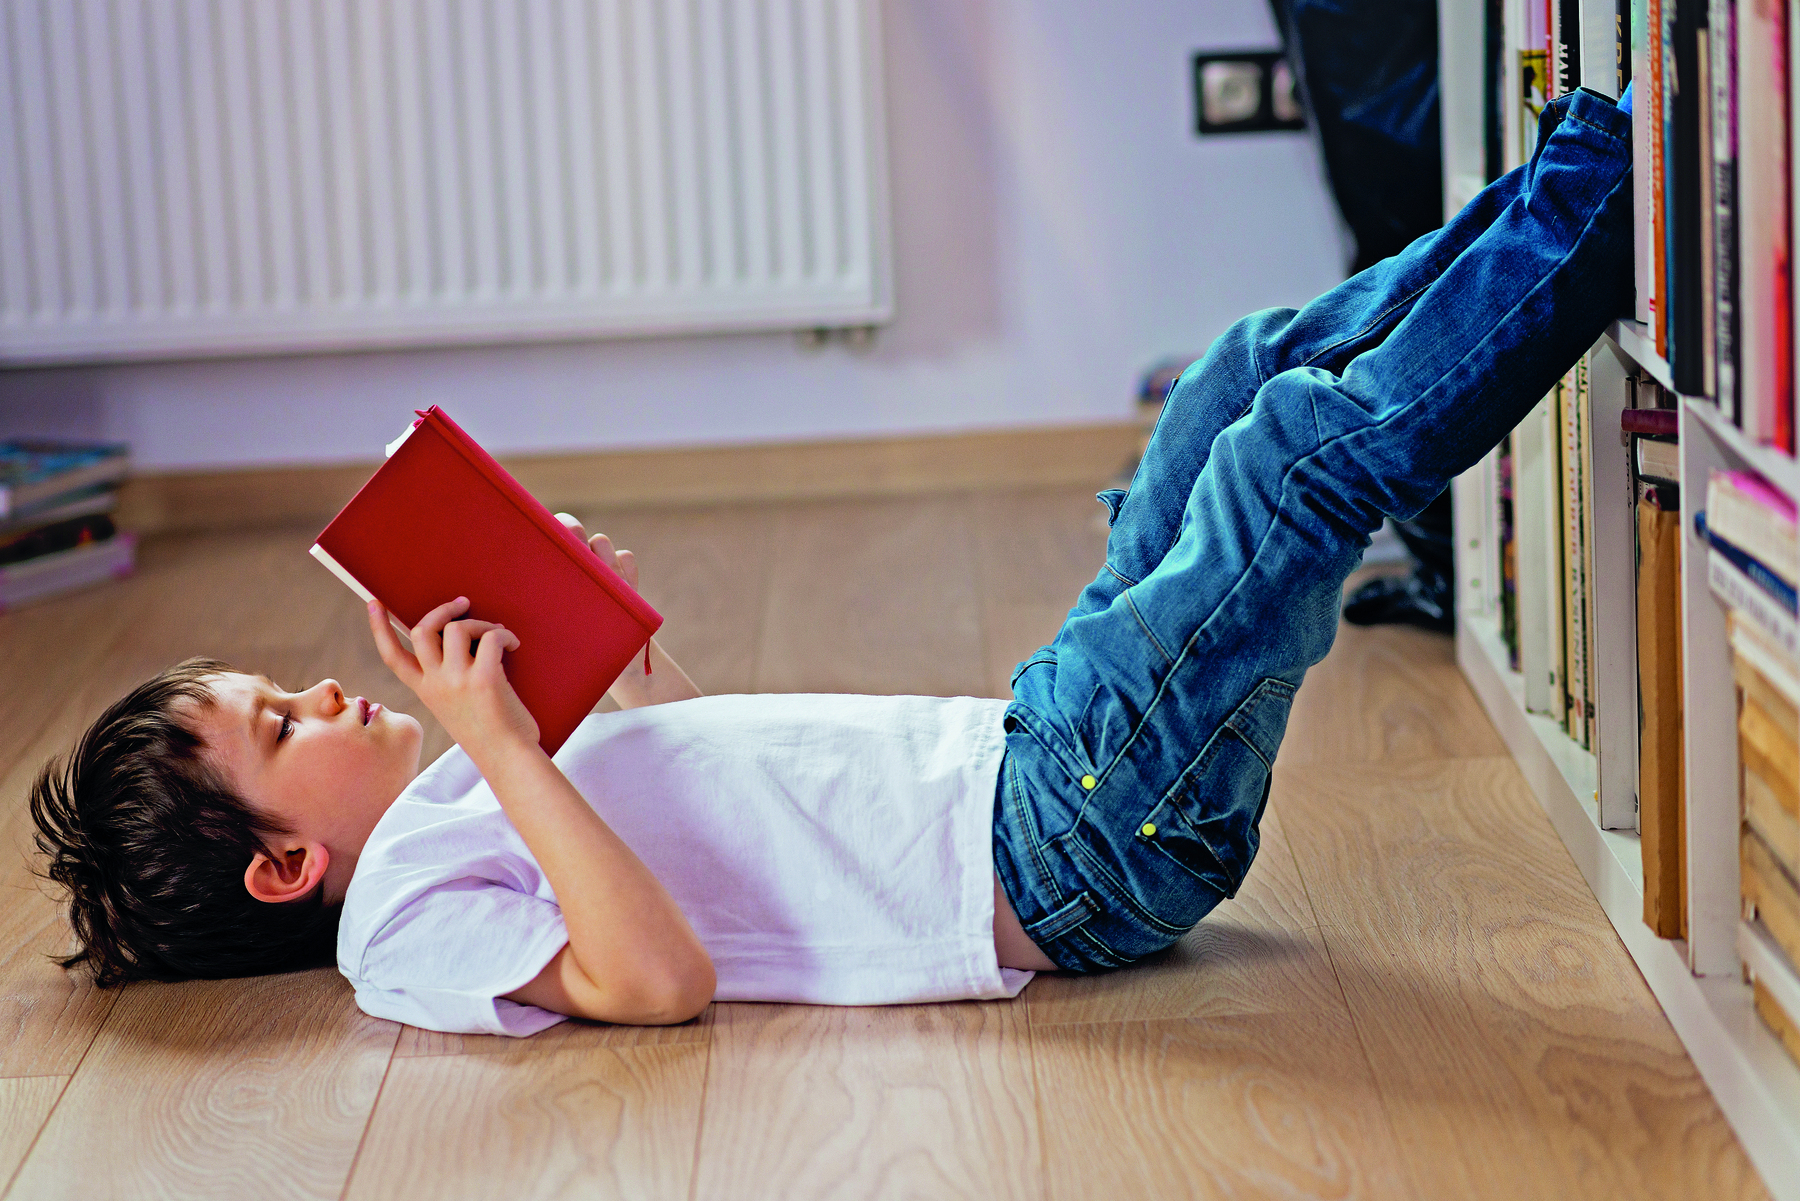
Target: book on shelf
[
  {"x": 1657, "y": 460},
  {"x": 1576, "y": 522},
  {"x": 1765, "y": 324},
  {"x": 1749, "y": 513},
  {"x": 1771, "y": 899},
  {"x": 1768, "y": 724},
  {"x": 1507, "y": 460},
  {"x": 1660, "y": 783},
  {"x": 1721, "y": 100}
]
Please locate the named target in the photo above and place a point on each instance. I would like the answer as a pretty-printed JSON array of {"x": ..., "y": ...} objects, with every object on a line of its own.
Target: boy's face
[{"x": 325, "y": 765}]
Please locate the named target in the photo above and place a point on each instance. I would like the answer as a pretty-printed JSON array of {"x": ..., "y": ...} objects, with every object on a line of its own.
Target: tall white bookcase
[{"x": 1591, "y": 797}]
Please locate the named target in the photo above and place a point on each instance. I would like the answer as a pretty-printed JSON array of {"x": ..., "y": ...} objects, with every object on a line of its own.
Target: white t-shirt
[{"x": 835, "y": 850}]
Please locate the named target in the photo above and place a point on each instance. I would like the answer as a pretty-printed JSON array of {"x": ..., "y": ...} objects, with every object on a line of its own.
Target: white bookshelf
[{"x": 1591, "y": 798}]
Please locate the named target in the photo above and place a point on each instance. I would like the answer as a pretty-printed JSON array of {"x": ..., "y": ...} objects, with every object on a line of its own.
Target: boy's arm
[
  {"x": 636, "y": 687},
  {"x": 632, "y": 957}
]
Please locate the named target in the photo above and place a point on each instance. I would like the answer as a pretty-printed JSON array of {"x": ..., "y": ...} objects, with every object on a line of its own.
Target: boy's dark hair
[{"x": 151, "y": 844}]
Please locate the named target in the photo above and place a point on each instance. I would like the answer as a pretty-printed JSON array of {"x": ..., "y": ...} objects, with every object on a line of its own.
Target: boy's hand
[
  {"x": 456, "y": 668},
  {"x": 621, "y": 561}
]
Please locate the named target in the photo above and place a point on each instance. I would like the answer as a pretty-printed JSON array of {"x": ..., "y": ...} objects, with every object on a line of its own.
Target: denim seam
[
  {"x": 1374, "y": 323},
  {"x": 1201, "y": 629},
  {"x": 1121, "y": 576},
  {"x": 1605, "y": 133},
  {"x": 1034, "y": 841},
  {"x": 1145, "y": 626},
  {"x": 1097, "y": 868}
]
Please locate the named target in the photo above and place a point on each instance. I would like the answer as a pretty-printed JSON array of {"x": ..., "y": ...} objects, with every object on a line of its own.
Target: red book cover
[{"x": 441, "y": 519}]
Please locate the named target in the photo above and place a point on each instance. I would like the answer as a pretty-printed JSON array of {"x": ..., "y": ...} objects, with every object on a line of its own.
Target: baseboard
[{"x": 252, "y": 497}]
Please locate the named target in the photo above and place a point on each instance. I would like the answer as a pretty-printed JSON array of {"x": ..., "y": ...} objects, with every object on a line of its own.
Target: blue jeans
[{"x": 1139, "y": 742}]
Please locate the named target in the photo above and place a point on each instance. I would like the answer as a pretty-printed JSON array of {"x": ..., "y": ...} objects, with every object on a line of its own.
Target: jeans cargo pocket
[
  {"x": 1207, "y": 823},
  {"x": 1112, "y": 498}
]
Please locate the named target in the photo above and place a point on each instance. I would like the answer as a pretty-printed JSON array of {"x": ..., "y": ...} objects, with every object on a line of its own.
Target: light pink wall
[{"x": 1056, "y": 228}]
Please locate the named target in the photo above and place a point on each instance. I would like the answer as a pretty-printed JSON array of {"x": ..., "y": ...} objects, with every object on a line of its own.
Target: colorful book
[
  {"x": 1659, "y": 779},
  {"x": 1657, "y": 460},
  {"x": 1722, "y": 81},
  {"x": 1590, "y": 618},
  {"x": 1744, "y": 510},
  {"x": 1765, "y": 326},
  {"x": 101, "y": 498},
  {"x": 37, "y": 471},
  {"x": 65, "y": 571},
  {"x": 1644, "y": 304},
  {"x": 1753, "y": 569},
  {"x": 441, "y": 519}
]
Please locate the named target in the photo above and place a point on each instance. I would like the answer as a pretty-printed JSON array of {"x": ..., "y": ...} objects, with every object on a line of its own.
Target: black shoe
[{"x": 1421, "y": 599}]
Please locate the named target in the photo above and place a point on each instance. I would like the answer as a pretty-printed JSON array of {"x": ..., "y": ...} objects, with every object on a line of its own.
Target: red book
[{"x": 441, "y": 519}]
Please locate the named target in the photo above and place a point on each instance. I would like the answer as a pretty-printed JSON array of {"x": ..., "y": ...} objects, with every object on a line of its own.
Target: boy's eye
[{"x": 287, "y": 726}]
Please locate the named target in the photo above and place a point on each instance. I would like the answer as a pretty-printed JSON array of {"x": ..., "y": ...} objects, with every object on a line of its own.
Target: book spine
[
  {"x": 1574, "y": 606},
  {"x": 1551, "y": 563},
  {"x": 1589, "y": 601},
  {"x": 1781, "y": 428},
  {"x": 1722, "y": 47},
  {"x": 1654, "y": 102},
  {"x": 1752, "y": 603},
  {"x": 1742, "y": 522},
  {"x": 1755, "y": 571},
  {"x": 1707, "y": 278},
  {"x": 1644, "y": 302}
]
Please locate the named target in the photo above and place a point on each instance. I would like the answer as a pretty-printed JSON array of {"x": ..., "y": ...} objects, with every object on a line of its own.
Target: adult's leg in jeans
[{"x": 1130, "y": 754}]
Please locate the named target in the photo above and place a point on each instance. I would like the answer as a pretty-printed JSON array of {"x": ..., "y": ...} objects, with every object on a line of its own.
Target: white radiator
[{"x": 182, "y": 177}]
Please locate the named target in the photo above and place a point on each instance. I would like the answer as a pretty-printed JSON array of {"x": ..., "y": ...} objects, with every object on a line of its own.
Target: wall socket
[{"x": 1241, "y": 91}]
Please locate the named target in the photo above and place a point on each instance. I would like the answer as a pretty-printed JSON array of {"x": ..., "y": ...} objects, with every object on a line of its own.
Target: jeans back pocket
[{"x": 1207, "y": 823}]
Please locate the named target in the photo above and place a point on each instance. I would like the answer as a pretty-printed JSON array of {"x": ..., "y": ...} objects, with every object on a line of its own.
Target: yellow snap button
[
  {"x": 1088, "y": 781},
  {"x": 1149, "y": 830}
]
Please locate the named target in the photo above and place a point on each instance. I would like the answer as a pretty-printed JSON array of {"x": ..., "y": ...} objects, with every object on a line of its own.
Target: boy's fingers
[
  {"x": 399, "y": 660},
  {"x": 494, "y": 643},
  {"x": 628, "y": 568},
  {"x": 424, "y": 635},
  {"x": 602, "y": 546},
  {"x": 573, "y": 523},
  {"x": 460, "y": 636}
]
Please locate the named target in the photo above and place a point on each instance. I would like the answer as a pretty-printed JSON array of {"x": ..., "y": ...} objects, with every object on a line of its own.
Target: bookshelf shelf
[
  {"x": 1756, "y": 1084},
  {"x": 1779, "y": 469},
  {"x": 1633, "y": 337}
]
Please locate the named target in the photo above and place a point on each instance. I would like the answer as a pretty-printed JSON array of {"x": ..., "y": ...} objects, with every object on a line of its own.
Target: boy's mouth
[{"x": 369, "y": 709}]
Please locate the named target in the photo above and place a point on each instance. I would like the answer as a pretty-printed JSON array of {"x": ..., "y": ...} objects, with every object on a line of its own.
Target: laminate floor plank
[
  {"x": 228, "y": 1089},
  {"x": 1035, "y": 550},
  {"x": 872, "y": 597},
  {"x": 1516, "y": 1048},
  {"x": 1224, "y": 1107},
  {"x": 1387, "y": 693},
  {"x": 25, "y": 1104},
  {"x": 907, "y": 1101},
  {"x": 1259, "y": 952},
  {"x": 536, "y": 1122},
  {"x": 565, "y": 1036}
]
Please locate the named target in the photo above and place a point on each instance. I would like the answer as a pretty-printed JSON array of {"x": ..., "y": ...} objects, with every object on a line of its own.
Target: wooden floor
[{"x": 1415, "y": 995}]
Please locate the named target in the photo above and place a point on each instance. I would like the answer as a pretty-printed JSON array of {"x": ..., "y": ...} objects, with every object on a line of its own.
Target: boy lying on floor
[{"x": 853, "y": 849}]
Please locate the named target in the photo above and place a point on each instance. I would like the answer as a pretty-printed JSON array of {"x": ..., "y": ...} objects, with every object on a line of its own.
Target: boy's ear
[{"x": 289, "y": 877}]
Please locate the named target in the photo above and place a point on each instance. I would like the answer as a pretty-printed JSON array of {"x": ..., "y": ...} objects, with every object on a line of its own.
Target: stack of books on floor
[
  {"x": 1754, "y": 562},
  {"x": 56, "y": 526}
]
